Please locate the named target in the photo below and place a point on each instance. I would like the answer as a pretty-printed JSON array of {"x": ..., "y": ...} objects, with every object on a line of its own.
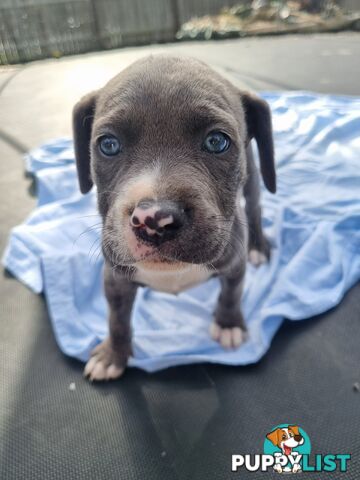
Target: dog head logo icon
[{"x": 287, "y": 443}]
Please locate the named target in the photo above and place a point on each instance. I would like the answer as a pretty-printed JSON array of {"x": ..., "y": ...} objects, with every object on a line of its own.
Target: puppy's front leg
[
  {"x": 108, "y": 360},
  {"x": 229, "y": 327}
]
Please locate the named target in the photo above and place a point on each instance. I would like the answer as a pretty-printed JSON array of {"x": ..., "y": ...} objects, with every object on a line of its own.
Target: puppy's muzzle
[{"x": 156, "y": 222}]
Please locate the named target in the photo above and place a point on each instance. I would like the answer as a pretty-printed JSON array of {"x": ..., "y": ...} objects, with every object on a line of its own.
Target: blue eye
[
  {"x": 216, "y": 142},
  {"x": 109, "y": 145}
]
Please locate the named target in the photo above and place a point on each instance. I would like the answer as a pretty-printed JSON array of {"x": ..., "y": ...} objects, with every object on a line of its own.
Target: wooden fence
[{"x": 34, "y": 29}]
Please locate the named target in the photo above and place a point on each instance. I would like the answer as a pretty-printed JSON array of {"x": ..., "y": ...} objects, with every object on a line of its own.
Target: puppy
[{"x": 167, "y": 143}]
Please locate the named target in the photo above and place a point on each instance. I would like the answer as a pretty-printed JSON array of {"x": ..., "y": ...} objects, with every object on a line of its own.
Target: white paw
[
  {"x": 99, "y": 369},
  {"x": 227, "y": 337},
  {"x": 277, "y": 468},
  {"x": 296, "y": 468},
  {"x": 257, "y": 258}
]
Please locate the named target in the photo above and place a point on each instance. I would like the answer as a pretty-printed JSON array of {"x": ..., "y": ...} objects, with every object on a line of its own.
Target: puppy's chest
[{"x": 173, "y": 281}]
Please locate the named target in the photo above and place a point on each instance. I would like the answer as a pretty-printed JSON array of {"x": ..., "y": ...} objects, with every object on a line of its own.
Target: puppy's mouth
[
  {"x": 153, "y": 258},
  {"x": 146, "y": 254}
]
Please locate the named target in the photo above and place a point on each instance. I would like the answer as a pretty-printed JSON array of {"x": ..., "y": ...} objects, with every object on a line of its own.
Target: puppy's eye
[
  {"x": 216, "y": 142},
  {"x": 109, "y": 145}
]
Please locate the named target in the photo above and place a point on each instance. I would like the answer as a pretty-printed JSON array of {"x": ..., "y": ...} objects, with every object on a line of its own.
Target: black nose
[
  {"x": 156, "y": 222},
  {"x": 298, "y": 438}
]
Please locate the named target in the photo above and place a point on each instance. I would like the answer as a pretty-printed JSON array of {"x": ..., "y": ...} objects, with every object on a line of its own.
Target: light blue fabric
[{"x": 313, "y": 223}]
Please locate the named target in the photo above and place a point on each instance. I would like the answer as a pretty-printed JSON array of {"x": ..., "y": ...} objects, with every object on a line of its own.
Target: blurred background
[{"x": 35, "y": 29}]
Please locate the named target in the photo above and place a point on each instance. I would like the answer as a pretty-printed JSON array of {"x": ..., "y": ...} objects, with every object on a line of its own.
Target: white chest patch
[{"x": 173, "y": 281}]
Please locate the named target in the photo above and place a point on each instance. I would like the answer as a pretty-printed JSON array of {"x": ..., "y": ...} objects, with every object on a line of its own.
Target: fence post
[
  {"x": 99, "y": 39},
  {"x": 176, "y": 15}
]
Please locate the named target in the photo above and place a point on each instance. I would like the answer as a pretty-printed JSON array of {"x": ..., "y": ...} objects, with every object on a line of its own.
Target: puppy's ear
[
  {"x": 258, "y": 121},
  {"x": 83, "y": 114},
  {"x": 273, "y": 437}
]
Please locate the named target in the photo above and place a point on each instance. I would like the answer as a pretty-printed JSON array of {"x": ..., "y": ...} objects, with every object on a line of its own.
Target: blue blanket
[{"x": 313, "y": 223}]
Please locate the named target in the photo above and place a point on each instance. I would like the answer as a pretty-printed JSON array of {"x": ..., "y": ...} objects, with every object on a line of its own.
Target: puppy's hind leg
[{"x": 259, "y": 248}]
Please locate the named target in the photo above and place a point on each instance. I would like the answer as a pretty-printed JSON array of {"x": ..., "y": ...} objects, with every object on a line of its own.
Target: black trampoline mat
[{"x": 181, "y": 423}]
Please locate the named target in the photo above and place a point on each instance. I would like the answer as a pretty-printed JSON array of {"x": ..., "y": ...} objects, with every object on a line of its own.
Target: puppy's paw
[
  {"x": 228, "y": 327},
  {"x": 257, "y": 258},
  {"x": 259, "y": 251},
  {"x": 104, "y": 364},
  {"x": 296, "y": 468},
  {"x": 278, "y": 468},
  {"x": 227, "y": 337}
]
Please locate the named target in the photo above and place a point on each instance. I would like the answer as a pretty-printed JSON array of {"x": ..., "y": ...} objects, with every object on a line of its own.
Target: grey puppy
[{"x": 167, "y": 143}]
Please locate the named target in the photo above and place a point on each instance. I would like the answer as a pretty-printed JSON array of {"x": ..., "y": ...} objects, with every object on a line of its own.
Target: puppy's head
[{"x": 164, "y": 142}]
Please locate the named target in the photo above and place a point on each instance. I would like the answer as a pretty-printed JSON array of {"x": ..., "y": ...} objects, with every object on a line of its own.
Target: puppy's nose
[{"x": 157, "y": 221}]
